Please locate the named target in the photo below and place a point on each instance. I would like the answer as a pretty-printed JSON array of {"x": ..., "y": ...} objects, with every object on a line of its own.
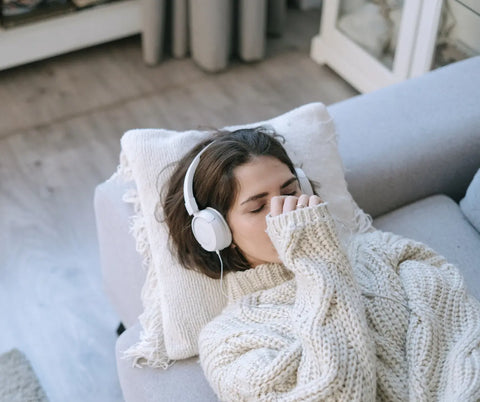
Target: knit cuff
[
  {"x": 314, "y": 225},
  {"x": 300, "y": 216},
  {"x": 278, "y": 226}
]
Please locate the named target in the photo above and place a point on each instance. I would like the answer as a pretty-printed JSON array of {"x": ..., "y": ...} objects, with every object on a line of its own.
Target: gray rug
[{"x": 18, "y": 382}]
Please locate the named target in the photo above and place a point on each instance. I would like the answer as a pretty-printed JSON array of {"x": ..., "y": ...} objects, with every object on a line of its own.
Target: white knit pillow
[{"x": 179, "y": 302}]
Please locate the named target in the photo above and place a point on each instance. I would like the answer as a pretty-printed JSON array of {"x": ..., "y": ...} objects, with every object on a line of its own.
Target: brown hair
[{"x": 215, "y": 186}]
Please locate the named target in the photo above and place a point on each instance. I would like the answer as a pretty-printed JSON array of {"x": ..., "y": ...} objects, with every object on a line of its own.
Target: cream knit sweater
[{"x": 386, "y": 319}]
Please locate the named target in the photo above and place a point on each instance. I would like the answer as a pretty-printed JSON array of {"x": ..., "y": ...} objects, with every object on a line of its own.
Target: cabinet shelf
[{"x": 72, "y": 31}]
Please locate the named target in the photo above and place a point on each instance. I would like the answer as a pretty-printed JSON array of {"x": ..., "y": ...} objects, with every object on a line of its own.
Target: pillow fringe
[
  {"x": 124, "y": 170},
  {"x": 138, "y": 228},
  {"x": 363, "y": 221},
  {"x": 150, "y": 350}
]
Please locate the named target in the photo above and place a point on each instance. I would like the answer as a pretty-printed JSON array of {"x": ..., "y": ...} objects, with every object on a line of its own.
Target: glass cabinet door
[
  {"x": 375, "y": 43},
  {"x": 449, "y": 31},
  {"x": 368, "y": 42},
  {"x": 373, "y": 25}
]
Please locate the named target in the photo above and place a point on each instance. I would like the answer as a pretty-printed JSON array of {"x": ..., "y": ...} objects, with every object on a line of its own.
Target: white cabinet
[
  {"x": 375, "y": 44},
  {"x": 76, "y": 30}
]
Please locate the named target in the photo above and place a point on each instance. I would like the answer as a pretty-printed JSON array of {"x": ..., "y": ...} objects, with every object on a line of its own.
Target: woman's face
[{"x": 258, "y": 181}]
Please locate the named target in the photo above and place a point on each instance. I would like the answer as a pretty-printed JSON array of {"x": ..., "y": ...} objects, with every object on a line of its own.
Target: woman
[{"x": 374, "y": 317}]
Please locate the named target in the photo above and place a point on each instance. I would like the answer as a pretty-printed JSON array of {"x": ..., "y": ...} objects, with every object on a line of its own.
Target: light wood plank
[{"x": 74, "y": 84}]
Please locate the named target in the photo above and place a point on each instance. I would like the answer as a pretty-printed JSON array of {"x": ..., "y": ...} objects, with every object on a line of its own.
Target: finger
[
  {"x": 276, "y": 205},
  {"x": 303, "y": 201},
  {"x": 314, "y": 200},
  {"x": 290, "y": 204}
]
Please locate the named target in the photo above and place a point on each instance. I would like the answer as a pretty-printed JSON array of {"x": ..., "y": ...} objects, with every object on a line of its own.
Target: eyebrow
[{"x": 261, "y": 195}]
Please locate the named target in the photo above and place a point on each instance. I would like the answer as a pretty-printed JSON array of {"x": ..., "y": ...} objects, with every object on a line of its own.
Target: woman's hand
[{"x": 282, "y": 204}]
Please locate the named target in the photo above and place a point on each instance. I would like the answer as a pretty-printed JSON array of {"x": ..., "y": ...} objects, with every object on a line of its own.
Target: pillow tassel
[
  {"x": 150, "y": 350},
  {"x": 363, "y": 221},
  {"x": 124, "y": 170},
  {"x": 138, "y": 227}
]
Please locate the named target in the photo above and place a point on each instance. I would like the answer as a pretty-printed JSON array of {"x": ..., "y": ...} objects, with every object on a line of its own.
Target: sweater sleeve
[
  {"x": 440, "y": 341},
  {"x": 314, "y": 346}
]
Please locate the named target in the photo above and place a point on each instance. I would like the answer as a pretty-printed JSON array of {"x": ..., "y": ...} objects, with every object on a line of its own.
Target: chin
[
  {"x": 266, "y": 260},
  {"x": 270, "y": 258},
  {"x": 273, "y": 259}
]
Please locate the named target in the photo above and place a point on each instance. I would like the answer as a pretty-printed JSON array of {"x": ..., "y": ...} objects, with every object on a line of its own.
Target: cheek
[
  {"x": 248, "y": 229},
  {"x": 250, "y": 237}
]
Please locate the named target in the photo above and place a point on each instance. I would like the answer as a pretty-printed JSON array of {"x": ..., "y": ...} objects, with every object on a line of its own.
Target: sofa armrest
[
  {"x": 122, "y": 272},
  {"x": 413, "y": 139}
]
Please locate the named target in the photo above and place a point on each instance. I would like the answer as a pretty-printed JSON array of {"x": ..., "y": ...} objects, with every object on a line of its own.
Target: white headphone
[{"x": 208, "y": 225}]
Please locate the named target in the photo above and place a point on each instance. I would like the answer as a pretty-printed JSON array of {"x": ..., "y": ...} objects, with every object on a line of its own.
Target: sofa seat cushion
[
  {"x": 438, "y": 222},
  {"x": 184, "y": 381}
]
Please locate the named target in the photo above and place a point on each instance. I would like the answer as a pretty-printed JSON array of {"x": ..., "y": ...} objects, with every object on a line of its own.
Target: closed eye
[{"x": 256, "y": 211}]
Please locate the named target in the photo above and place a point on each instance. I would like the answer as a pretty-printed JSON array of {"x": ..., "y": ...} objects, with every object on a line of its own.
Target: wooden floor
[{"x": 60, "y": 126}]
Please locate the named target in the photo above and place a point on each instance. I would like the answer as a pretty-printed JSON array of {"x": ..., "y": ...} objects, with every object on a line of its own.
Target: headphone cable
[{"x": 221, "y": 275}]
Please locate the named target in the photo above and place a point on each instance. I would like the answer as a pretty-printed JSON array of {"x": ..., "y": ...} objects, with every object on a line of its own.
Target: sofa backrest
[{"x": 413, "y": 139}]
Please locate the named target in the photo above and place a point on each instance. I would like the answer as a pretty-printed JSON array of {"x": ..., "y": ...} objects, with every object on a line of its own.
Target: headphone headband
[
  {"x": 208, "y": 225},
  {"x": 189, "y": 197}
]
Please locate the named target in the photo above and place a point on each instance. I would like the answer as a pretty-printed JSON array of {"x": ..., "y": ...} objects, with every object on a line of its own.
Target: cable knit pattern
[{"x": 385, "y": 319}]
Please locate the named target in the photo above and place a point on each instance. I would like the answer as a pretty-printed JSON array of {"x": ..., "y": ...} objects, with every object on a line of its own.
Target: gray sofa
[{"x": 410, "y": 152}]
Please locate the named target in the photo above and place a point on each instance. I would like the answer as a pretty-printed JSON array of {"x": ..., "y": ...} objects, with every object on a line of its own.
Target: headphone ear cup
[
  {"x": 305, "y": 186},
  {"x": 211, "y": 230}
]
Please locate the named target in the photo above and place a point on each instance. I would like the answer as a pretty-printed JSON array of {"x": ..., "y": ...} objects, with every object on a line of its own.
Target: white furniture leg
[
  {"x": 210, "y": 33},
  {"x": 153, "y": 29},
  {"x": 180, "y": 28},
  {"x": 252, "y": 29}
]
